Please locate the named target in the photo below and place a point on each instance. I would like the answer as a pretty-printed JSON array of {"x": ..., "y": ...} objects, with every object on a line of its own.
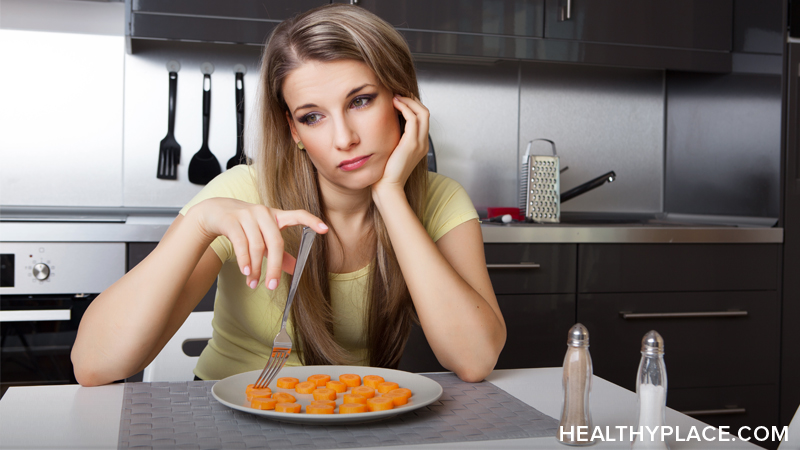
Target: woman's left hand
[{"x": 413, "y": 145}]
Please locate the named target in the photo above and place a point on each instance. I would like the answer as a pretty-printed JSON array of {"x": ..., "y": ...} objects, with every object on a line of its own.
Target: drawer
[
  {"x": 531, "y": 268},
  {"x": 677, "y": 267},
  {"x": 537, "y": 328},
  {"x": 721, "y": 346},
  {"x": 735, "y": 407}
]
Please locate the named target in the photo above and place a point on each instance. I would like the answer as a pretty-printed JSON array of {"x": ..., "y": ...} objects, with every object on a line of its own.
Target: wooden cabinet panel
[
  {"x": 537, "y": 327},
  {"x": 701, "y": 351},
  {"x": 735, "y": 407},
  {"x": 555, "y": 272},
  {"x": 686, "y": 24},
  {"x": 502, "y": 17},
  {"x": 677, "y": 267}
]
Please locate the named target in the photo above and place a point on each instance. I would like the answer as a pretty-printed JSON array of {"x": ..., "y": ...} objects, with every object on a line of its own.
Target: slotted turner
[
  {"x": 282, "y": 346},
  {"x": 169, "y": 152}
]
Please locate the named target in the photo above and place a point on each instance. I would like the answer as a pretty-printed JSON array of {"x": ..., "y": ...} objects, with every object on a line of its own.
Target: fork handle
[{"x": 305, "y": 247}]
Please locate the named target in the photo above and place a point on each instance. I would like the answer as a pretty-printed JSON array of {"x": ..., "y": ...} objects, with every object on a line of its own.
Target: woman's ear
[{"x": 292, "y": 128}]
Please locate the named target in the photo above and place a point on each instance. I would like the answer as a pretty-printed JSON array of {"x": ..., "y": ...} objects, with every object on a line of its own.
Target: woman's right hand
[{"x": 255, "y": 232}]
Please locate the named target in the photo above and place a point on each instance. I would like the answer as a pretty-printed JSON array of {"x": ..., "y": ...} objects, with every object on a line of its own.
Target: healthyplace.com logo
[{"x": 662, "y": 433}]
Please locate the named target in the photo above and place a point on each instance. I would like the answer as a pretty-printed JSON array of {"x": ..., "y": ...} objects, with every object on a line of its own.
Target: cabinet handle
[
  {"x": 681, "y": 315},
  {"x": 715, "y": 412},
  {"x": 565, "y": 12},
  {"x": 522, "y": 265}
]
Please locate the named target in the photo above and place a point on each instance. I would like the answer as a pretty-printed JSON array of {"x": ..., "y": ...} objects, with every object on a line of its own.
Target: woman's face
[{"x": 346, "y": 120}]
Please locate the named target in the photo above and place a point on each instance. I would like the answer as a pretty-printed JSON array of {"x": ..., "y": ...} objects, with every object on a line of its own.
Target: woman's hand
[
  {"x": 413, "y": 145},
  {"x": 255, "y": 232}
]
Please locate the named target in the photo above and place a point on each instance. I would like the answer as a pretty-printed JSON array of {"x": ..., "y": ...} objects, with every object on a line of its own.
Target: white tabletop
[{"x": 70, "y": 416}]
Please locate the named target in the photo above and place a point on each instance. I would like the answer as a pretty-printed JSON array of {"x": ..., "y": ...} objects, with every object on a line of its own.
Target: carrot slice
[
  {"x": 306, "y": 387},
  {"x": 287, "y": 407},
  {"x": 352, "y": 408},
  {"x": 354, "y": 398},
  {"x": 318, "y": 408},
  {"x": 263, "y": 403},
  {"x": 324, "y": 394},
  {"x": 320, "y": 379},
  {"x": 251, "y": 392},
  {"x": 373, "y": 380},
  {"x": 364, "y": 391},
  {"x": 283, "y": 397},
  {"x": 324, "y": 402},
  {"x": 380, "y": 404},
  {"x": 398, "y": 398},
  {"x": 387, "y": 386},
  {"x": 337, "y": 386},
  {"x": 287, "y": 382},
  {"x": 350, "y": 379},
  {"x": 404, "y": 391}
]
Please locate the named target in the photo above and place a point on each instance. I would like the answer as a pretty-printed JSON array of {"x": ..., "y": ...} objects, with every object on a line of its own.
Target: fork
[{"x": 282, "y": 345}]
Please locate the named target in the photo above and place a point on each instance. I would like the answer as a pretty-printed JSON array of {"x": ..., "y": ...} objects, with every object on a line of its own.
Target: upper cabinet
[
  {"x": 492, "y": 17},
  {"x": 237, "y": 22},
  {"x": 683, "y": 35},
  {"x": 680, "y": 24}
]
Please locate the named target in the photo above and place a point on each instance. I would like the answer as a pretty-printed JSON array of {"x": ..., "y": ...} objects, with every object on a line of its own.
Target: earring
[{"x": 300, "y": 145}]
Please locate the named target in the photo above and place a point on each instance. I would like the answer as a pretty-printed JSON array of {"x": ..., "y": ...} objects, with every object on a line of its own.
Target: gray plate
[{"x": 231, "y": 392}]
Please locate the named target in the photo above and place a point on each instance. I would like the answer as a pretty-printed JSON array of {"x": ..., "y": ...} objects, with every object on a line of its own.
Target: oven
[{"x": 45, "y": 288}]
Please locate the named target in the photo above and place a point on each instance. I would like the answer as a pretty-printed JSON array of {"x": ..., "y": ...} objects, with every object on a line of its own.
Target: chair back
[{"x": 172, "y": 364}]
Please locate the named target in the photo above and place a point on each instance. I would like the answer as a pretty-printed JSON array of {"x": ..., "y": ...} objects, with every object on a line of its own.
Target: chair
[{"x": 172, "y": 364}]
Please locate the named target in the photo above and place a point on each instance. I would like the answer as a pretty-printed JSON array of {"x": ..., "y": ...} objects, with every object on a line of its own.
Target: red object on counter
[{"x": 501, "y": 211}]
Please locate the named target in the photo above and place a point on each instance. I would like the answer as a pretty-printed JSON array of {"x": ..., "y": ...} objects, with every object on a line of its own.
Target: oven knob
[{"x": 41, "y": 271}]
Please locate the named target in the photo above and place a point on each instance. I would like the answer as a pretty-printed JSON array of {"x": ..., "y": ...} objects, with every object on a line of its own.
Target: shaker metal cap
[
  {"x": 653, "y": 343},
  {"x": 578, "y": 336}
]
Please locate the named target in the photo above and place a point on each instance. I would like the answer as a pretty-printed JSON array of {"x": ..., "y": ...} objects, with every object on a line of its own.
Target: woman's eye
[
  {"x": 310, "y": 119},
  {"x": 361, "y": 102}
]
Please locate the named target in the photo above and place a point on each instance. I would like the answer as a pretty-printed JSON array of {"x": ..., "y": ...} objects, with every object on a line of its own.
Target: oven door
[{"x": 38, "y": 332}]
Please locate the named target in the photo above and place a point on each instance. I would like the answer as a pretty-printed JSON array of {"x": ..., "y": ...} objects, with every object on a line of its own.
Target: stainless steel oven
[{"x": 45, "y": 287}]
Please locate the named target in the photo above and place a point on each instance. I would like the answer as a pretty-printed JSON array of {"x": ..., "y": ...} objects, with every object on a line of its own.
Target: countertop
[
  {"x": 22, "y": 224},
  {"x": 78, "y": 417}
]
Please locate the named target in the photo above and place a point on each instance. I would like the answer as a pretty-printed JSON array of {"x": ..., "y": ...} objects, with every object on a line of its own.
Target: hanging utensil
[
  {"x": 169, "y": 152},
  {"x": 239, "y": 157},
  {"x": 204, "y": 166}
]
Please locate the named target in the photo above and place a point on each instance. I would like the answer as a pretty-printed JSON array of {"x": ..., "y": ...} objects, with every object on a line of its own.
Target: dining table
[{"x": 76, "y": 417}]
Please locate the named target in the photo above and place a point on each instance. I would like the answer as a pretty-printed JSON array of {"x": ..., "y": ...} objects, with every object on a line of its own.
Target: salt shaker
[
  {"x": 651, "y": 389},
  {"x": 575, "y": 427}
]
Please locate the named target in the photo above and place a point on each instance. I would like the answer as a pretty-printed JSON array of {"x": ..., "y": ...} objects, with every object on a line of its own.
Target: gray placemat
[{"x": 185, "y": 415}]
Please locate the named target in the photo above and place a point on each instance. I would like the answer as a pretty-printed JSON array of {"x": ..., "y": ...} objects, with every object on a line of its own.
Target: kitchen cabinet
[
  {"x": 239, "y": 22},
  {"x": 499, "y": 17},
  {"x": 686, "y": 24},
  {"x": 716, "y": 305},
  {"x": 790, "y": 358},
  {"x": 535, "y": 288}
]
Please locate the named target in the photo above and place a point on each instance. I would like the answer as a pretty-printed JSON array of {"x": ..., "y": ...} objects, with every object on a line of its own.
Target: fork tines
[{"x": 274, "y": 365}]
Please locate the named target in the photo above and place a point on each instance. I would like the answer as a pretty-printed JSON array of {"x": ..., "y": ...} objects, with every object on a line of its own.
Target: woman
[{"x": 342, "y": 146}]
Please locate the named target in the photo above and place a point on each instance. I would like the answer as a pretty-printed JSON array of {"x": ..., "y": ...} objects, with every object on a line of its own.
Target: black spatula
[
  {"x": 169, "y": 152},
  {"x": 204, "y": 165},
  {"x": 239, "y": 157}
]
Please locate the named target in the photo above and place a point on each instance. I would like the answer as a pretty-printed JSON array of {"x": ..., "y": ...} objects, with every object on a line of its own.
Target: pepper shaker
[
  {"x": 575, "y": 427},
  {"x": 651, "y": 390}
]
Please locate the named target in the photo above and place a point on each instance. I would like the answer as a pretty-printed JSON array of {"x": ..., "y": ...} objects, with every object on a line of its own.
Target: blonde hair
[{"x": 287, "y": 179}]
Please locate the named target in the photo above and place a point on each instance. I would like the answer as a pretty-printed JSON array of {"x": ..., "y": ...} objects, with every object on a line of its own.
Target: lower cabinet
[{"x": 710, "y": 338}]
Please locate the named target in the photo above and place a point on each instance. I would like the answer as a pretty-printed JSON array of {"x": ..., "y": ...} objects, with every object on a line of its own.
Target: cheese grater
[{"x": 540, "y": 186}]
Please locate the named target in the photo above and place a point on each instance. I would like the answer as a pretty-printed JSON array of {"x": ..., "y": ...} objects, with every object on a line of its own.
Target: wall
[{"x": 104, "y": 129}]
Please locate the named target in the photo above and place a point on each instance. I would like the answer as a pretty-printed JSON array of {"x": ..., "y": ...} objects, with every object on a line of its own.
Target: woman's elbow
[{"x": 87, "y": 374}]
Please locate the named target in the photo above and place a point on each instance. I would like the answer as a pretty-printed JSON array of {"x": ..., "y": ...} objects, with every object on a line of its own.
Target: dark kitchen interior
[{"x": 698, "y": 236}]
